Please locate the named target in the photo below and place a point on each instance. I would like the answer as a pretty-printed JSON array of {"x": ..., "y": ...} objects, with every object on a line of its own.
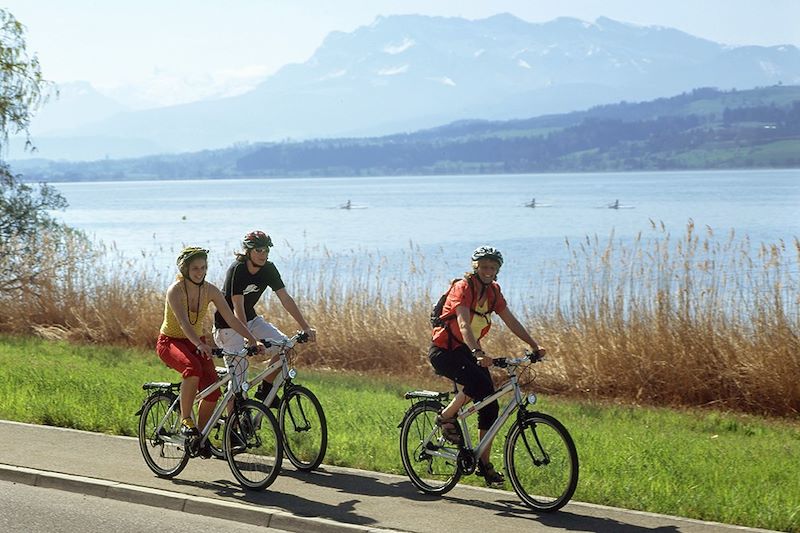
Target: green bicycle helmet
[{"x": 186, "y": 256}]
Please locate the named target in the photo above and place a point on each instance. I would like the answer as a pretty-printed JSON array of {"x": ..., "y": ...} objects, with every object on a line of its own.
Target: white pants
[{"x": 232, "y": 342}]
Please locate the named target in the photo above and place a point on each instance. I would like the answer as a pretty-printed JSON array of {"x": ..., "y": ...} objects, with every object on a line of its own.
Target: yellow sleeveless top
[
  {"x": 172, "y": 328},
  {"x": 481, "y": 319}
]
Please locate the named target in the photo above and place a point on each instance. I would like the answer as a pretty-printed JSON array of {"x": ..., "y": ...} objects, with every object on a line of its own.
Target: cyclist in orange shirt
[{"x": 456, "y": 351}]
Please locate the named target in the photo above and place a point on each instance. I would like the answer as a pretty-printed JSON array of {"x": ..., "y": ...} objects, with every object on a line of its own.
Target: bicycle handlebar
[
  {"x": 299, "y": 337},
  {"x": 249, "y": 350},
  {"x": 533, "y": 357}
]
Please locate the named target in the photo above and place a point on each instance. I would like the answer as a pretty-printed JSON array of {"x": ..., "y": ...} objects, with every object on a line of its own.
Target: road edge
[{"x": 176, "y": 501}]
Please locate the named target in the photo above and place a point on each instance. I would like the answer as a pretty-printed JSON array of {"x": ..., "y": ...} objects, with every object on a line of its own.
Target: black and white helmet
[{"x": 488, "y": 252}]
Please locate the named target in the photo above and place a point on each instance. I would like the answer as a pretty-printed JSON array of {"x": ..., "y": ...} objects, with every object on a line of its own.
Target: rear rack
[{"x": 427, "y": 395}]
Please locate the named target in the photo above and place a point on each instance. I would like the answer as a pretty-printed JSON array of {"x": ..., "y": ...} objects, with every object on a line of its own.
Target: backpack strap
[
  {"x": 491, "y": 300},
  {"x": 449, "y": 316}
]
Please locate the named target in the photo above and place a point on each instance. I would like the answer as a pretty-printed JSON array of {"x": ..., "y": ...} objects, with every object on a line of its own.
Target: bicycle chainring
[{"x": 466, "y": 461}]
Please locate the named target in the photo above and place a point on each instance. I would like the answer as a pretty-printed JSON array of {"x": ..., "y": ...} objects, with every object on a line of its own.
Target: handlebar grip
[
  {"x": 219, "y": 352},
  {"x": 302, "y": 336},
  {"x": 500, "y": 362},
  {"x": 535, "y": 357}
]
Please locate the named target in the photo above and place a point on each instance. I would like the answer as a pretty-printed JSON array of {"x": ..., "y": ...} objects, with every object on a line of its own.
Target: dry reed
[{"x": 694, "y": 320}]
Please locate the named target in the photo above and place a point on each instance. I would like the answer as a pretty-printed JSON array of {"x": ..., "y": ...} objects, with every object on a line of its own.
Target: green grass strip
[{"x": 700, "y": 464}]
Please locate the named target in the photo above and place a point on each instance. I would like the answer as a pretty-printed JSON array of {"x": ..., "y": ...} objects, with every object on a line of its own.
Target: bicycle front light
[
  {"x": 292, "y": 373},
  {"x": 531, "y": 399}
]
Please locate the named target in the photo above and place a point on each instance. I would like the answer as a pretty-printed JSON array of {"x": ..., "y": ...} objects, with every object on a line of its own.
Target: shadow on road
[
  {"x": 563, "y": 518},
  {"x": 375, "y": 486},
  {"x": 341, "y": 512}
]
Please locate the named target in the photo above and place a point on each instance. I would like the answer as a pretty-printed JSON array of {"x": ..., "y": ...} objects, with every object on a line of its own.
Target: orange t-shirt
[{"x": 463, "y": 292}]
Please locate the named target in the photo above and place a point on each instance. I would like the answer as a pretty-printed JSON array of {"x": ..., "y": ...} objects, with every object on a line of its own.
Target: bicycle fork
[{"x": 525, "y": 423}]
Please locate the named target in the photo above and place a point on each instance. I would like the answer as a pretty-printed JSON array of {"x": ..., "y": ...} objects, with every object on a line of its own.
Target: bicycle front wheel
[
  {"x": 253, "y": 445},
  {"x": 542, "y": 462},
  {"x": 304, "y": 428},
  {"x": 215, "y": 438},
  {"x": 429, "y": 459},
  {"x": 160, "y": 439}
]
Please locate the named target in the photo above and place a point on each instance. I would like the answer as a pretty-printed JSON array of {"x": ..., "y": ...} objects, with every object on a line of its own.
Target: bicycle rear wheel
[
  {"x": 253, "y": 445},
  {"x": 429, "y": 459},
  {"x": 160, "y": 439},
  {"x": 304, "y": 428},
  {"x": 542, "y": 462}
]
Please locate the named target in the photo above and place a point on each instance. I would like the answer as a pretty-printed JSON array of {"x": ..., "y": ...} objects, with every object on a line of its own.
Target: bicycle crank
[{"x": 466, "y": 461}]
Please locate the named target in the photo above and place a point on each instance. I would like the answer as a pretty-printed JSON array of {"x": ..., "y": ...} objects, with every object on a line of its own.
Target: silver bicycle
[
  {"x": 300, "y": 416},
  {"x": 251, "y": 441},
  {"x": 539, "y": 454}
]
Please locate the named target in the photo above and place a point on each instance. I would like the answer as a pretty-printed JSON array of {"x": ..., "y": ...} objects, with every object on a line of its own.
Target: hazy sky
[{"x": 172, "y": 47}]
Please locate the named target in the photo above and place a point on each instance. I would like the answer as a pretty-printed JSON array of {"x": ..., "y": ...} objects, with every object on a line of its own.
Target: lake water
[{"x": 438, "y": 218}]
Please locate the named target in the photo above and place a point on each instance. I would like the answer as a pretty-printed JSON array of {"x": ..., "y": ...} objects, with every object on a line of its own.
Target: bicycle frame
[
  {"x": 216, "y": 414},
  {"x": 232, "y": 360},
  {"x": 519, "y": 401},
  {"x": 286, "y": 373},
  {"x": 539, "y": 454}
]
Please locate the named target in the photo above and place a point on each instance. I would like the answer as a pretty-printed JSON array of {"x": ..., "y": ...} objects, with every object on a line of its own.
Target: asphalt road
[
  {"x": 29, "y": 509},
  {"x": 331, "y": 499}
]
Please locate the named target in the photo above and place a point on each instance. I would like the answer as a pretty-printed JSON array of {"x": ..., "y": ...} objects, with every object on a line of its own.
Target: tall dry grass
[
  {"x": 90, "y": 293},
  {"x": 695, "y": 319}
]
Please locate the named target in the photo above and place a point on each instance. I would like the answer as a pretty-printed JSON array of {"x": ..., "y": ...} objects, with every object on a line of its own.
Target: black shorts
[{"x": 462, "y": 367}]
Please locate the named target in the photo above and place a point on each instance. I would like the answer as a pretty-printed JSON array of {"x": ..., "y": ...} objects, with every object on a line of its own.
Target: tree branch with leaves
[{"x": 26, "y": 225}]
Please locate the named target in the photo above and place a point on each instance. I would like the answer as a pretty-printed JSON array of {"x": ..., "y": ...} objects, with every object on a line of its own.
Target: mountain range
[
  {"x": 702, "y": 129},
  {"x": 409, "y": 72}
]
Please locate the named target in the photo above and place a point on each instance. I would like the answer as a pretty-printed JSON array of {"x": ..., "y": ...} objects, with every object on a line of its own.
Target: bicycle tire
[
  {"x": 215, "y": 438},
  {"x": 304, "y": 428},
  {"x": 166, "y": 459},
  {"x": 253, "y": 445},
  {"x": 420, "y": 442},
  {"x": 541, "y": 462}
]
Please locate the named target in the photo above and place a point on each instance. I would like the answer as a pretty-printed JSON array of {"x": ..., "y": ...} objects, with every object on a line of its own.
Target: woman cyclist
[
  {"x": 181, "y": 344},
  {"x": 456, "y": 350}
]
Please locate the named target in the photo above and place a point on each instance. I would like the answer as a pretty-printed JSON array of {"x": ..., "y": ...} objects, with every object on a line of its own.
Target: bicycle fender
[
  {"x": 147, "y": 398},
  {"x": 437, "y": 405},
  {"x": 161, "y": 385}
]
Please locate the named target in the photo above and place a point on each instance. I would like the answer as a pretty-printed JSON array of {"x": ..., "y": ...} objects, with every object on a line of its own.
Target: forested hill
[{"x": 704, "y": 129}]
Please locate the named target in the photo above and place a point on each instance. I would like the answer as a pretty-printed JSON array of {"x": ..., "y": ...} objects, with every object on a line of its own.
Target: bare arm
[
  {"x": 238, "y": 307},
  {"x": 291, "y": 307},
  {"x": 517, "y": 329}
]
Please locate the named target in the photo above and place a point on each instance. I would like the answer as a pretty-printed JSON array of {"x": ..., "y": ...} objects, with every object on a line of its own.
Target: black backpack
[{"x": 439, "y": 321}]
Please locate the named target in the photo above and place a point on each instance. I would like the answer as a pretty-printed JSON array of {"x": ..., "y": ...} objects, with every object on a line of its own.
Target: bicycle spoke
[
  {"x": 542, "y": 462},
  {"x": 159, "y": 437},
  {"x": 253, "y": 445},
  {"x": 428, "y": 459},
  {"x": 304, "y": 428}
]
